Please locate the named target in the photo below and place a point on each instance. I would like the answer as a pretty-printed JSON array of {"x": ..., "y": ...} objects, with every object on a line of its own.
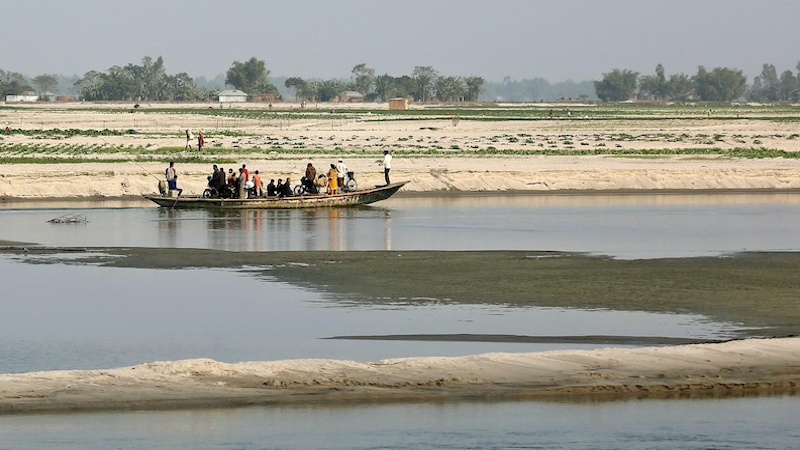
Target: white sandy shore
[
  {"x": 736, "y": 365},
  {"x": 470, "y": 174}
]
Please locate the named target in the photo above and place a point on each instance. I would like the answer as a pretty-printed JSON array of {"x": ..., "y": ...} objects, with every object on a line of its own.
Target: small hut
[
  {"x": 398, "y": 103},
  {"x": 232, "y": 96},
  {"x": 25, "y": 97}
]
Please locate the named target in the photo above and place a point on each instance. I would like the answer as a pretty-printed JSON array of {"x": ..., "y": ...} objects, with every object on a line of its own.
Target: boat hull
[{"x": 362, "y": 197}]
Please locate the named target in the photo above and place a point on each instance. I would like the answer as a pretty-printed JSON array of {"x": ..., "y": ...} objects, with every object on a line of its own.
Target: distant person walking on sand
[
  {"x": 387, "y": 165},
  {"x": 201, "y": 140},
  {"x": 188, "y": 140},
  {"x": 172, "y": 178}
]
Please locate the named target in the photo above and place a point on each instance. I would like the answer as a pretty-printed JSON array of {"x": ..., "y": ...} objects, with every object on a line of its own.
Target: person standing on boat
[
  {"x": 257, "y": 185},
  {"x": 232, "y": 183},
  {"x": 242, "y": 183},
  {"x": 311, "y": 175},
  {"x": 387, "y": 165},
  {"x": 172, "y": 178},
  {"x": 341, "y": 169},
  {"x": 333, "y": 180},
  {"x": 246, "y": 173}
]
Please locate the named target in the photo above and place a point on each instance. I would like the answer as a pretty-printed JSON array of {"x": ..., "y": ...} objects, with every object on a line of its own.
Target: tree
[
  {"x": 655, "y": 86},
  {"x": 383, "y": 86},
  {"x": 424, "y": 78},
  {"x": 250, "y": 76},
  {"x": 721, "y": 84},
  {"x": 788, "y": 87},
  {"x": 12, "y": 83},
  {"x": 766, "y": 85},
  {"x": 298, "y": 84},
  {"x": 45, "y": 82},
  {"x": 474, "y": 87},
  {"x": 679, "y": 86},
  {"x": 449, "y": 89},
  {"x": 617, "y": 85},
  {"x": 327, "y": 90},
  {"x": 363, "y": 77}
]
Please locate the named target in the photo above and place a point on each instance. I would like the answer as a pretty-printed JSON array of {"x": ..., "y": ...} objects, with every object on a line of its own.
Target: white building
[
  {"x": 231, "y": 96},
  {"x": 25, "y": 97}
]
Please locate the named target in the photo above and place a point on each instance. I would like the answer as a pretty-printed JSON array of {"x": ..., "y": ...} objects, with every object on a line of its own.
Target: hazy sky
[{"x": 555, "y": 39}]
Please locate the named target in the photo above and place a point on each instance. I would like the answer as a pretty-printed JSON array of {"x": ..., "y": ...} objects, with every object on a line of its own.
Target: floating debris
[{"x": 69, "y": 218}]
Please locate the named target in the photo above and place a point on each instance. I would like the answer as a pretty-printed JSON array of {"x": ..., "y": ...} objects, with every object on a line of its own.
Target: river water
[
  {"x": 95, "y": 317},
  {"x": 632, "y": 226}
]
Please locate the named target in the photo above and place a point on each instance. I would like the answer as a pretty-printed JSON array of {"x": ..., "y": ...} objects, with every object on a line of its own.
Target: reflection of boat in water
[{"x": 361, "y": 197}]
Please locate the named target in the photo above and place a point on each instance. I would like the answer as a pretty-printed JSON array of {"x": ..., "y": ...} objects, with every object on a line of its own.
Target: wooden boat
[{"x": 361, "y": 197}]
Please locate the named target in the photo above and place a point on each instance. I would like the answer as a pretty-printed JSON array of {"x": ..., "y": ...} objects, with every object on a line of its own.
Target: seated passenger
[
  {"x": 271, "y": 188},
  {"x": 287, "y": 188},
  {"x": 279, "y": 188}
]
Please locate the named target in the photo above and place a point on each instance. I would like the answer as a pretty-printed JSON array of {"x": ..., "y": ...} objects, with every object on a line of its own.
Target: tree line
[
  {"x": 149, "y": 81},
  {"x": 423, "y": 84},
  {"x": 720, "y": 84}
]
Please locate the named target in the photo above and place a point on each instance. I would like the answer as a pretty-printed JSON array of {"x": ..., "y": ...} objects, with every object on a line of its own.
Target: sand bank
[
  {"x": 468, "y": 174},
  {"x": 736, "y": 365}
]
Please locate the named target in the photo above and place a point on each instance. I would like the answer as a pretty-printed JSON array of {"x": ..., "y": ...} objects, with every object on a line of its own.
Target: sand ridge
[{"x": 734, "y": 365}]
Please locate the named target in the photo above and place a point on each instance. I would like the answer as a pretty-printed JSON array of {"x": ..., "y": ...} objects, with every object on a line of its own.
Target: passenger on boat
[
  {"x": 341, "y": 169},
  {"x": 258, "y": 185},
  {"x": 271, "y": 188},
  {"x": 246, "y": 173},
  {"x": 333, "y": 180},
  {"x": 279, "y": 188},
  {"x": 287, "y": 188},
  {"x": 311, "y": 175},
  {"x": 242, "y": 183},
  {"x": 172, "y": 178}
]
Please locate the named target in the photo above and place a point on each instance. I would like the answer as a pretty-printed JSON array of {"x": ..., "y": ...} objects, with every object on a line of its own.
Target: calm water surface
[
  {"x": 626, "y": 226},
  {"x": 730, "y": 424}
]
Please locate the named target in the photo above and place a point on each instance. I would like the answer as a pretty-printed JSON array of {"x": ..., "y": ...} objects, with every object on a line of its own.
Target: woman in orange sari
[{"x": 333, "y": 180}]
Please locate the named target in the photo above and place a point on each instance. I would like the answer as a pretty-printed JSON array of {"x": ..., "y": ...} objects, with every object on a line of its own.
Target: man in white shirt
[
  {"x": 387, "y": 165},
  {"x": 172, "y": 178},
  {"x": 341, "y": 169}
]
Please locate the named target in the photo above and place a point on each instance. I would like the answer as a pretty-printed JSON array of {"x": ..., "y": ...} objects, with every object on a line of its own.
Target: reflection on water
[
  {"x": 626, "y": 226},
  {"x": 733, "y": 424}
]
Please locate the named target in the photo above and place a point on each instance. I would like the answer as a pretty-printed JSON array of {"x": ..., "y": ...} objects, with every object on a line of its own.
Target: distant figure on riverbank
[
  {"x": 189, "y": 138},
  {"x": 201, "y": 140}
]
